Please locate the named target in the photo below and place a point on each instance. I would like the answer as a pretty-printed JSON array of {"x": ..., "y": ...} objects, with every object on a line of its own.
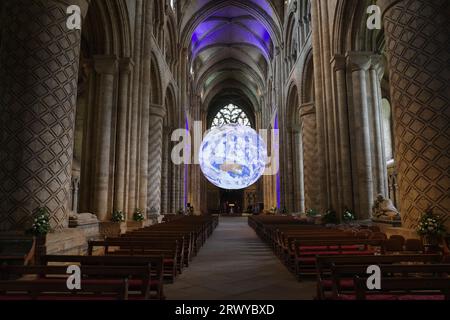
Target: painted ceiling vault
[{"x": 231, "y": 45}]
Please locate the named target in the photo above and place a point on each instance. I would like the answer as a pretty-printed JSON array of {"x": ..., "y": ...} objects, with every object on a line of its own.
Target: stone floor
[{"x": 236, "y": 265}]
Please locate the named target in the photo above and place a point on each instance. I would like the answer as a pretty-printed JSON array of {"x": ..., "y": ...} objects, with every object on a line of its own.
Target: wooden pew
[
  {"x": 306, "y": 251},
  {"x": 185, "y": 240},
  {"x": 92, "y": 275},
  {"x": 324, "y": 265},
  {"x": 18, "y": 250},
  {"x": 343, "y": 275},
  {"x": 156, "y": 263},
  {"x": 143, "y": 248},
  {"x": 57, "y": 290},
  {"x": 288, "y": 244},
  {"x": 404, "y": 289}
]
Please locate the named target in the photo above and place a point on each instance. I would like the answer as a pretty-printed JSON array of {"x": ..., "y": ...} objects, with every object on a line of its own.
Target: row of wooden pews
[
  {"x": 134, "y": 266},
  {"x": 340, "y": 256}
]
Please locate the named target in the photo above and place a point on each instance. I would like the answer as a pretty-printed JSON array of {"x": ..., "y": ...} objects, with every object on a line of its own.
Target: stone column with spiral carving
[
  {"x": 309, "y": 137},
  {"x": 417, "y": 44},
  {"x": 39, "y": 58},
  {"x": 155, "y": 158}
]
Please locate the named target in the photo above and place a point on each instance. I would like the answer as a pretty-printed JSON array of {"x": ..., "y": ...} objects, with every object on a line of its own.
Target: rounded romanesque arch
[{"x": 106, "y": 67}]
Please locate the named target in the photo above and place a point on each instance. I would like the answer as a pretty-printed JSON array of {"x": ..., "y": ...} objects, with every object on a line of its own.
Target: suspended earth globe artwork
[{"x": 233, "y": 156}]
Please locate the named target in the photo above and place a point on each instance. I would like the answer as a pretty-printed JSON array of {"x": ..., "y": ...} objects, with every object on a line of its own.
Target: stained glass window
[{"x": 231, "y": 114}]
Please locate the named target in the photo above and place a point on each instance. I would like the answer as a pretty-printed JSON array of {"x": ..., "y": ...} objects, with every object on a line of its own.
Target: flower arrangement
[
  {"x": 273, "y": 210},
  {"x": 311, "y": 213},
  {"x": 41, "y": 224},
  {"x": 138, "y": 216},
  {"x": 431, "y": 224},
  {"x": 330, "y": 217},
  {"x": 118, "y": 216},
  {"x": 348, "y": 216}
]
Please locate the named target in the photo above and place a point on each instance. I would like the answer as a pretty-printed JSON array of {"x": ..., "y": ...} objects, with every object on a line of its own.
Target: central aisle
[{"x": 235, "y": 264}]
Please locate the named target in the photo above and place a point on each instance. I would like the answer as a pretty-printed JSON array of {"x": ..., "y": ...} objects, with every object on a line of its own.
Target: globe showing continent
[{"x": 233, "y": 156}]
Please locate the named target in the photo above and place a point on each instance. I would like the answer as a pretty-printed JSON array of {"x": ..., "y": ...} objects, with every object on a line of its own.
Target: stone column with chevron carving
[
  {"x": 39, "y": 58},
  {"x": 125, "y": 69},
  {"x": 155, "y": 159},
  {"x": 417, "y": 43},
  {"x": 309, "y": 134}
]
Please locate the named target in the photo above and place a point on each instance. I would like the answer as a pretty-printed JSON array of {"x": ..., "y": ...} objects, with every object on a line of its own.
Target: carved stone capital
[
  {"x": 307, "y": 109},
  {"x": 378, "y": 64},
  {"x": 126, "y": 65},
  {"x": 338, "y": 62},
  {"x": 359, "y": 61},
  {"x": 157, "y": 111},
  {"x": 106, "y": 64}
]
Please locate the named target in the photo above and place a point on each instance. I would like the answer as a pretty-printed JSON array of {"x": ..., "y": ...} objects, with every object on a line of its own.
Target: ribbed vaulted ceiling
[{"x": 231, "y": 45}]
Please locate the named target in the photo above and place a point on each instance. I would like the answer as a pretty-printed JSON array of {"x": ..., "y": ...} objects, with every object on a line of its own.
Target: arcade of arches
[{"x": 87, "y": 115}]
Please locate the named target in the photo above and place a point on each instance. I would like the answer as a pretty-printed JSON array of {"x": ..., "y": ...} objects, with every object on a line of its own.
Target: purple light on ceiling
[
  {"x": 230, "y": 34},
  {"x": 245, "y": 30}
]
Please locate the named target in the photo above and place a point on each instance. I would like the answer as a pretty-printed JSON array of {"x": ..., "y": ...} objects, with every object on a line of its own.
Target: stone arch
[
  {"x": 171, "y": 43},
  {"x": 156, "y": 97},
  {"x": 295, "y": 151},
  {"x": 307, "y": 79},
  {"x": 107, "y": 29},
  {"x": 350, "y": 29},
  {"x": 308, "y": 129},
  {"x": 291, "y": 41},
  {"x": 158, "y": 20},
  {"x": 104, "y": 61}
]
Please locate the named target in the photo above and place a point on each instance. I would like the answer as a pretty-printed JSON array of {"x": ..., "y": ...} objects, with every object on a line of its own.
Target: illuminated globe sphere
[{"x": 233, "y": 156}]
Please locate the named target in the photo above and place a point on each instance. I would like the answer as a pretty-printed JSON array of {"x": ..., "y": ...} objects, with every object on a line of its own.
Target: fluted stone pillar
[
  {"x": 87, "y": 166},
  {"x": 359, "y": 64},
  {"x": 417, "y": 43},
  {"x": 156, "y": 120},
  {"x": 134, "y": 112},
  {"x": 145, "y": 107},
  {"x": 175, "y": 187},
  {"x": 125, "y": 67},
  {"x": 165, "y": 172},
  {"x": 344, "y": 158},
  {"x": 324, "y": 190},
  {"x": 39, "y": 60},
  {"x": 106, "y": 68},
  {"x": 376, "y": 72},
  {"x": 299, "y": 186}
]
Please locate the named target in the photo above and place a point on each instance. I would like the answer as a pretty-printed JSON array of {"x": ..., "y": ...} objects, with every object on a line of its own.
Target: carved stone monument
[{"x": 384, "y": 210}]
